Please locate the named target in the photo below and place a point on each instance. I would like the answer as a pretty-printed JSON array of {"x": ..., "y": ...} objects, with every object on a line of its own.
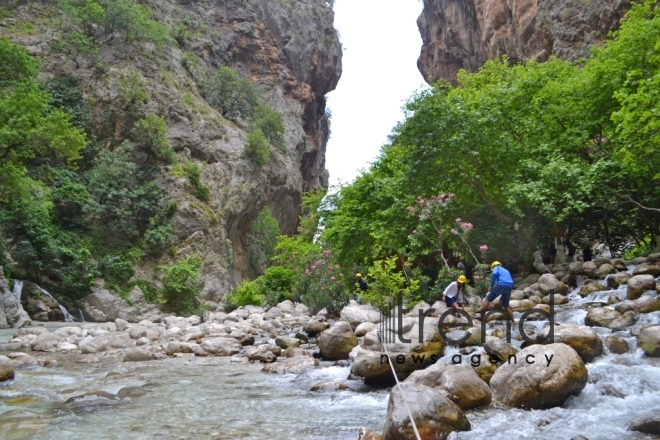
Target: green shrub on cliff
[
  {"x": 271, "y": 124},
  {"x": 245, "y": 294},
  {"x": 262, "y": 239},
  {"x": 149, "y": 134},
  {"x": 257, "y": 147}
]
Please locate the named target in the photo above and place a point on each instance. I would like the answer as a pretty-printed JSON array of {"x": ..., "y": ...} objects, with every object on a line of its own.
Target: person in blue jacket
[{"x": 501, "y": 284}]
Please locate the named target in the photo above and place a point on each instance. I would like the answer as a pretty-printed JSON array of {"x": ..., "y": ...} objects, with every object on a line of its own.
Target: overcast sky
[{"x": 381, "y": 45}]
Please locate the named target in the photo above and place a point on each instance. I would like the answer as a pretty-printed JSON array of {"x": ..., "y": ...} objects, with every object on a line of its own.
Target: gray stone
[
  {"x": 338, "y": 341},
  {"x": 138, "y": 355},
  {"x": 639, "y": 284}
]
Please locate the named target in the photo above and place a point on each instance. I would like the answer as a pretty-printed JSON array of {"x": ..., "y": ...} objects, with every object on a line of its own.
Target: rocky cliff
[
  {"x": 288, "y": 48},
  {"x": 463, "y": 34}
]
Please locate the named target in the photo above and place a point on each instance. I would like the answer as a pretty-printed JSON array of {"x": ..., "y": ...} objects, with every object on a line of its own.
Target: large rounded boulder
[
  {"x": 584, "y": 340},
  {"x": 639, "y": 284},
  {"x": 6, "y": 369},
  {"x": 543, "y": 376},
  {"x": 338, "y": 341},
  {"x": 460, "y": 383},
  {"x": 649, "y": 340},
  {"x": 434, "y": 414},
  {"x": 357, "y": 314}
]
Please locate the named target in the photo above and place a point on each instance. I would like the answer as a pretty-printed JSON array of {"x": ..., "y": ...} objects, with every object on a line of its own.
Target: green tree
[
  {"x": 386, "y": 283},
  {"x": 233, "y": 96},
  {"x": 149, "y": 134},
  {"x": 271, "y": 124}
]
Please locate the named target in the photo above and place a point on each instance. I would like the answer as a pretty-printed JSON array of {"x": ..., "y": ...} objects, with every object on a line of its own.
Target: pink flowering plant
[
  {"x": 322, "y": 285},
  {"x": 432, "y": 215}
]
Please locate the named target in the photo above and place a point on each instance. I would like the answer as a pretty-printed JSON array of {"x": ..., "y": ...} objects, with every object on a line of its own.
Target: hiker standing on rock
[
  {"x": 501, "y": 284},
  {"x": 363, "y": 286},
  {"x": 454, "y": 293}
]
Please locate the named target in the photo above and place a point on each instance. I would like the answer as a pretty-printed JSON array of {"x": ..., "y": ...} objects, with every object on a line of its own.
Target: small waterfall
[
  {"x": 18, "y": 289},
  {"x": 82, "y": 318},
  {"x": 65, "y": 312}
]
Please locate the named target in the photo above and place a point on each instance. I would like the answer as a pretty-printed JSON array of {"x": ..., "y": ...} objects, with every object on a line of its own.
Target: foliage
[
  {"x": 201, "y": 191},
  {"x": 322, "y": 286},
  {"x": 262, "y": 239},
  {"x": 233, "y": 96},
  {"x": 386, "y": 283},
  {"x": 116, "y": 270},
  {"x": 246, "y": 293},
  {"x": 257, "y": 147},
  {"x": 271, "y": 125},
  {"x": 180, "y": 285},
  {"x": 66, "y": 94},
  {"x": 149, "y": 134},
  {"x": 277, "y": 284}
]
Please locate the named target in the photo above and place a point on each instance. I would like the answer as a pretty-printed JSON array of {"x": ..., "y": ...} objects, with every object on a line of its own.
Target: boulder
[
  {"x": 138, "y": 332},
  {"x": 653, "y": 258},
  {"x": 138, "y": 355},
  {"x": 291, "y": 365},
  {"x": 617, "y": 279},
  {"x": 285, "y": 342},
  {"x": 434, "y": 414},
  {"x": 364, "y": 328},
  {"x": 273, "y": 313},
  {"x": 460, "y": 383},
  {"x": 549, "y": 282},
  {"x": 590, "y": 269},
  {"x": 639, "y": 284},
  {"x": 622, "y": 322},
  {"x": 647, "y": 269},
  {"x": 605, "y": 269},
  {"x": 600, "y": 317},
  {"x": 590, "y": 288},
  {"x": 93, "y": 399},
  {"x": 497, "y": 347},
  {"x": 174, "y": 347},
  {"x": 486, "y": 367},
  {"x": 357, "y": 314},
  {"x": 649, "y": 424},
  {"x": 580, "y": 338},
  {"x": 221, "y": 346},
  {"x": 264, "y": 353},
  {"x": 105, "y": 302},
  {"x": 366, "y": 434},
  {"x": 6, "y": 369},
  {"x": 338, "y": 341},
  {"x": 119, "y": 341},
  {"x": 617, "y": 345},
  {"x": 645, "y": 304},
  {"x": 557, "y": 373},
  {"x": 329, "y": 386},
  {"x": 649, "y": 340},
  {"x": 294, "y": 352},
  {"x": 286, "y": 307},
  {"x": 91, "y": 345},
  {"x": 121, "y": 324},
  {"x": 47, "y": 341},
  {"x": 313, "y": 327},
  {"x": 575, "y": 268}
]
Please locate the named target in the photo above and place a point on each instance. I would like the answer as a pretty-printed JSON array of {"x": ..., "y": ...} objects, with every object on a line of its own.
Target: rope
[{"x": 400, "y": 389}]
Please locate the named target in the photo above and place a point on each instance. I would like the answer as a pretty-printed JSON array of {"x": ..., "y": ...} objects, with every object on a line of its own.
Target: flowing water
[
  {"x": 65, "y": 312},
  {"x": 199, "y": 398},
  {"x": 18, "y": 289}
]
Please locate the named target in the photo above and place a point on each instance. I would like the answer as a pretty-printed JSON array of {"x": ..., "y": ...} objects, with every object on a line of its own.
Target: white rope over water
[{"x": 389, "y": 361}]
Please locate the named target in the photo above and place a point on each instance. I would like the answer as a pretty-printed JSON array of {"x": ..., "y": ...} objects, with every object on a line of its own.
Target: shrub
[
  {"x": 246, "y": 293},
  {"x": 116, "y": 270},
  {"x": 234, "y": 97},
  {"x": 262, "y": 239},
  {"x": 201, "y": 191},
  {"x": 257, "y": 147},
  {"x": 322, "y": 285},
  {"x": 277, "y": 284},
  {"x": 149, "y": 134},
  {"x": 271, "y": 124},
  {"x": 386, "y": 283},
  {"x": 180, "y": 285}
]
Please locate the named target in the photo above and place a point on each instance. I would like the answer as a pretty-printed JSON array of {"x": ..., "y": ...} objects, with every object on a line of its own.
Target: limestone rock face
[
  {"x": 540, "y": 385},
  {"x": 463, "y": 34},
  {"x": 435, "y": 415}
]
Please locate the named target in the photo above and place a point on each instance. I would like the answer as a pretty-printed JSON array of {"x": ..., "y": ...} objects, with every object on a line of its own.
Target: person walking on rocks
[
  {"x": 453, "y": 294},
  {"x": 501, "y": 284},
  {"x": 362, "y": 284}
]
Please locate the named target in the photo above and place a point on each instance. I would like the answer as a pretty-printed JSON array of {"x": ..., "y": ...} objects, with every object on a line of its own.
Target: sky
[{"x": 381, "y": 46}]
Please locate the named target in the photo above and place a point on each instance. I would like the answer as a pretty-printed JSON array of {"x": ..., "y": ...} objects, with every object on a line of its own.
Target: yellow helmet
[
  {"x": 358, "y": 275},
  {"x": 462, "y": 279},
  {"x": 495, "y": 263}
]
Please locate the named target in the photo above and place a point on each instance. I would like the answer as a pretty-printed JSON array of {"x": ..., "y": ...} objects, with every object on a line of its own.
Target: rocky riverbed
[{"x": 283, "y": 373}]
